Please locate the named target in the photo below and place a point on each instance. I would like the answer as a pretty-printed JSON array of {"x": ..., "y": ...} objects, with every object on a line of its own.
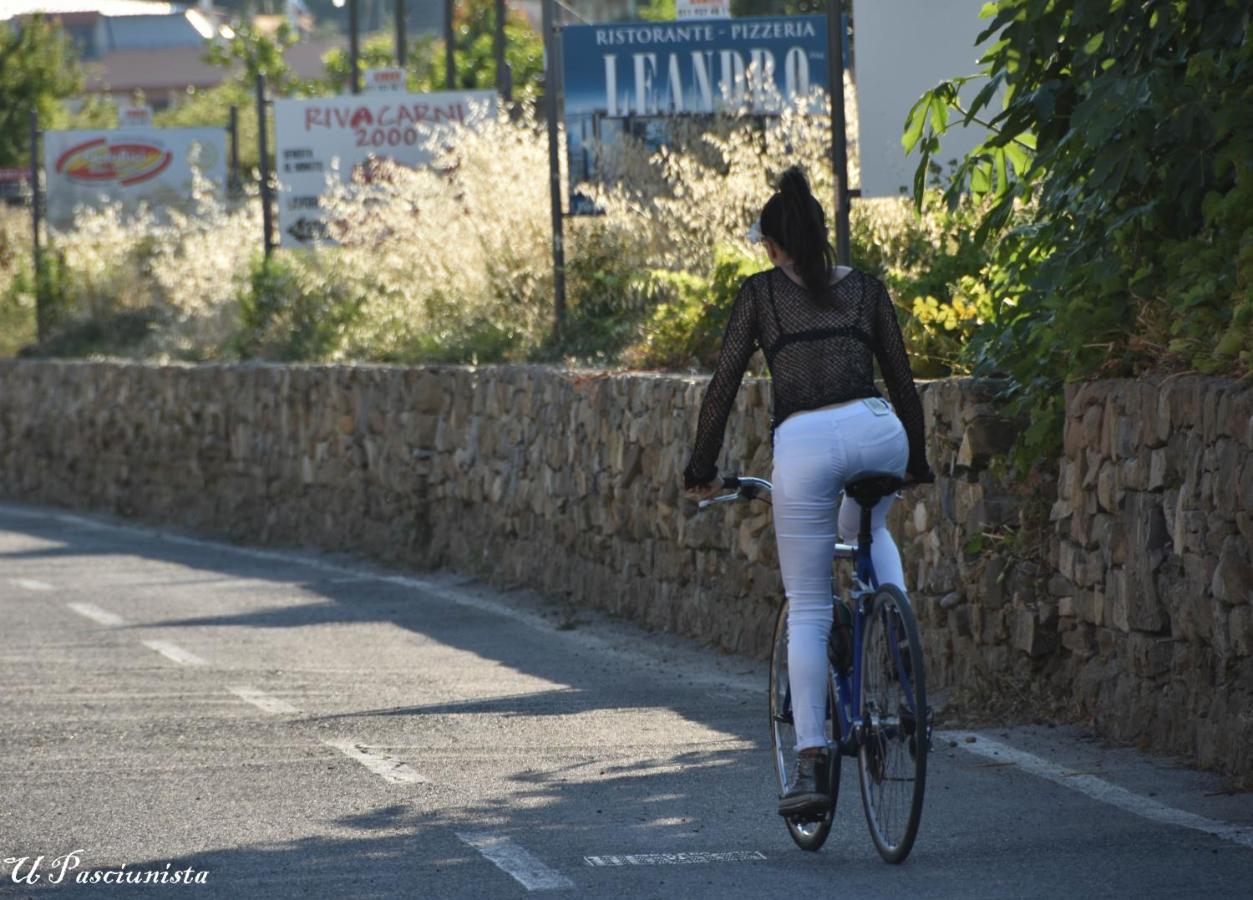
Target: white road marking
[
  {"x": 175, "y": 652},
  {"x": 263, "y": 701},
  {"x": 96, "y": 614},
  {"x": 747, "y": 683},
  {"x": 386, "y": 767},
  {"x": 664, "y": 859},
  {"x": 1099, "y": 789},
  {"x": 31, "y": 584},
  {"x": 524, "y": 867}
]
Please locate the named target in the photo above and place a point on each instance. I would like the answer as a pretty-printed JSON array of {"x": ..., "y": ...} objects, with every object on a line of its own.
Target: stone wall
[{"x": 1032, "y": 593}]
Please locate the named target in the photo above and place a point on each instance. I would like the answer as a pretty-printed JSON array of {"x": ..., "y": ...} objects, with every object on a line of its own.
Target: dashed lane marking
[
  {"x": 175, "y": 652},
  {"x": 517, "y": 862},
  {"x": 96, "y": 614},
  {"x": 1097, "y": 788},
  {"x": 263, "y": 701},
  {"x": 30, "y": 584},
  {"x": 725, "y": 681},
  {"x": 381, "y": 764},
  {"x": 668, "y": 859}
]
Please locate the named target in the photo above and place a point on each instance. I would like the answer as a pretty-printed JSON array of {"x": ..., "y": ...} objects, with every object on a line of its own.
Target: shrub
[
  {"x": 1118, "y": 174},
  {"x": 291, "y": 311}
]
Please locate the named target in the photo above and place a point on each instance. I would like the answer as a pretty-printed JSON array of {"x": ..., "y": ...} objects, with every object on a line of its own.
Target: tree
[
  {"x": 1119, "y": 171},
  {"x": 38, "y": 69},
  {"x": 475, "y": 58}
]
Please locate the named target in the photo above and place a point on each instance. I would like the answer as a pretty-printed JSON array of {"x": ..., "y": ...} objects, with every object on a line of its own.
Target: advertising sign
[
  {"x": 332, "y": 137},
  {"x": 702, "y": 9},
  {"x": 129, "y": 165},
  {"x": 632, "y": 78},
  {"x": 384, "y": 80},
  {"x": 134, "y": 116}
]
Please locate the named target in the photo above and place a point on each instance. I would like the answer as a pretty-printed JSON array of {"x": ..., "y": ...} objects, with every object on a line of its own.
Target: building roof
[
  {"x": 160, "y": 70},
  {"x": 153, "y": 69},
  {"x": 14, "y": 8}
]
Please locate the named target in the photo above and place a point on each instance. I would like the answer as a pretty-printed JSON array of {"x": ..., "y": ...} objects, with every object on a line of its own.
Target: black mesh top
[{"x": 817, "y": 355}]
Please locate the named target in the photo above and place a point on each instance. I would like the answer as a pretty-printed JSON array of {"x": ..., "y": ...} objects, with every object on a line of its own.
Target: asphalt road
[{"x": 281, "y": 724}]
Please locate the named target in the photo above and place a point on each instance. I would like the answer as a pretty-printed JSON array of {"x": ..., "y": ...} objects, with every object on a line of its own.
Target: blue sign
[{"x": 632, "y": 77}]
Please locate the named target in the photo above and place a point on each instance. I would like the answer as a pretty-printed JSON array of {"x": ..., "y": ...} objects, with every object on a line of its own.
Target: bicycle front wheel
[
  {"x": 809, "y": 834},
  {"x": 892, "y": 760}
]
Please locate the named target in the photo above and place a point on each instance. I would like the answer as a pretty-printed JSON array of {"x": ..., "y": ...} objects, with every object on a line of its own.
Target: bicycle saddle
[{"x": 869, "y": 488}]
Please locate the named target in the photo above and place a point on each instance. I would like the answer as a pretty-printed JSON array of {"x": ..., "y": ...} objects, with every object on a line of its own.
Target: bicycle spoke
[{"x": 892, "y": 763}]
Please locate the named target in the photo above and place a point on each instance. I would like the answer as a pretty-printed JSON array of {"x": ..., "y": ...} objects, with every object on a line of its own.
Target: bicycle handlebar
[{"x": 746, "y": 488}]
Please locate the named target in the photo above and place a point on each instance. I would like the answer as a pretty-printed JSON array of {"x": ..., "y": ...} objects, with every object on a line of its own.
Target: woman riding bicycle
[{"x": 821, "y": 327}]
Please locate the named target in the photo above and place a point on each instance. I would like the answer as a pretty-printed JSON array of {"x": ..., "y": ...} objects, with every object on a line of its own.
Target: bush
[
  {"x": 452, "y": 262},
  {"x": 686, "y": 327},
  {"x": 291, "y": 311},
  {"x": 1118, "y": 176}
]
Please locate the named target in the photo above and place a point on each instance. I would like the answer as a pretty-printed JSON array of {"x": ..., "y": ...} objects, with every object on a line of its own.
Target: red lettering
[
  {"x": 361, "y": 117},
  {"x": 313, "y": 118}
]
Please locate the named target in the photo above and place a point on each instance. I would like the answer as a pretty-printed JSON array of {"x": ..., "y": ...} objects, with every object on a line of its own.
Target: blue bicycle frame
[{"x": 848, "y": 686}]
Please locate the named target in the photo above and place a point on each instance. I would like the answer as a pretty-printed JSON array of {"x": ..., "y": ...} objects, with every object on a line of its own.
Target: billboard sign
[
  {"x": 134, "y": 116},
  {"x": 631, "y": 78},
  {"x": 130, "y": 166},
  {"x": 702, "y": 9},
  {"x": 332, "y": 137},
  {"x": 385, "y": 80}
]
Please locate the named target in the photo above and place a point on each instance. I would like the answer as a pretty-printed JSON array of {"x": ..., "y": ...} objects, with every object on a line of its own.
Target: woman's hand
[{"x": 703, "y": 491}]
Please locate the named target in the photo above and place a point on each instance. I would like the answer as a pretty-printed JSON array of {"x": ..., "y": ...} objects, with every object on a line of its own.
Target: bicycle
[{"x": 862, "y": 720}]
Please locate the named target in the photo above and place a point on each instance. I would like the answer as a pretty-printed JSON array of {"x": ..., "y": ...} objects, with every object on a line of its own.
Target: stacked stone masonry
[{"x": 1111, "y": 586}]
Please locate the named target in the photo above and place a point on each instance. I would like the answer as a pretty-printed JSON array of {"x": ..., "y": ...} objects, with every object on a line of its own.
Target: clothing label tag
[{"x": 877, "y": 405}]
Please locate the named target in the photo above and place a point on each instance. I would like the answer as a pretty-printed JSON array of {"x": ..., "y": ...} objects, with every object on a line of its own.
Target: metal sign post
[
  {"x": 354, "y": 48},
  {"x": 551, "y": 81},
  {"x": 400, "y": 33},
  {"x": 839, "y": 136},
  {"x": 503, "y": 85},
  {"x": 233, "y": 182},
  {"x": 450, "y": 68},
  {"x": 41, "y": 315},
  {"x": 266, "y": 214}
]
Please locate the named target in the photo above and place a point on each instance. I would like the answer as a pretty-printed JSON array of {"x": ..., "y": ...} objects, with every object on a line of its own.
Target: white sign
[
  {"x": 134, "y": 116},
  {"x": 905, "y": 47},
  {"x": 702, "y": 9},
  {"x": 316, "y": 137},
  {"x": 384, "y": 80},
  {"x": 129, "y": 165}
]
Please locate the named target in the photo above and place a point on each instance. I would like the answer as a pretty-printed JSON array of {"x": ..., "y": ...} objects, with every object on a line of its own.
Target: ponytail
[{"x": 793, "y": 219}]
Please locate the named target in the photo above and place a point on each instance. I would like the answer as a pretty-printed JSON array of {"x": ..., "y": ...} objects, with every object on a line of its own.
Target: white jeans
[{"x": 815, "y": 453}]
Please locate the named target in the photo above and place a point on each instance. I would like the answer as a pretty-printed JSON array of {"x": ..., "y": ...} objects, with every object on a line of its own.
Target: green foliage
[
  {"x": 212, "y": 106},
  {"x": 258, "y": 54},
  {"x": 686, "y": 327},
  {"x": 777, "y": 7},
  {"x": 38, "y": 68},
  {"x": 933, "y": 264},
  {"x": 1125, "y": 149},
  {"x": 474, "y": 60},
  {"x": 290, "y": 311}
]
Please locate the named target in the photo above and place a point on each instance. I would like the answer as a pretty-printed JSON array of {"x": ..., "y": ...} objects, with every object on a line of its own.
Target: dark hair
[{"x": 793, "y": 219}]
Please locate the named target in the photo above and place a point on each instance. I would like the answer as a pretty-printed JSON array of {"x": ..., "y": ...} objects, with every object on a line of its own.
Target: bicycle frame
[{"x": 847, "y": 686}]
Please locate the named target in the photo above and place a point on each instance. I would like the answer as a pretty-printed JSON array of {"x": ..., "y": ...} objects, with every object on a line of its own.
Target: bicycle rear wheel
[
  {"x": 892, "y": 761},
  {"x": 809, "y": 834}
]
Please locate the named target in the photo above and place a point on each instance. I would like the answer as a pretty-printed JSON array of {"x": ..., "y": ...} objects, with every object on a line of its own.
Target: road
[{"x": 286, "y": 724}]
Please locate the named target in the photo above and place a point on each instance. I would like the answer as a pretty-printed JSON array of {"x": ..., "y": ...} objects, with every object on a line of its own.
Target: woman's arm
[
  {"x": 738, "y": 343},
  {"x": 889, "y": 349}
]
